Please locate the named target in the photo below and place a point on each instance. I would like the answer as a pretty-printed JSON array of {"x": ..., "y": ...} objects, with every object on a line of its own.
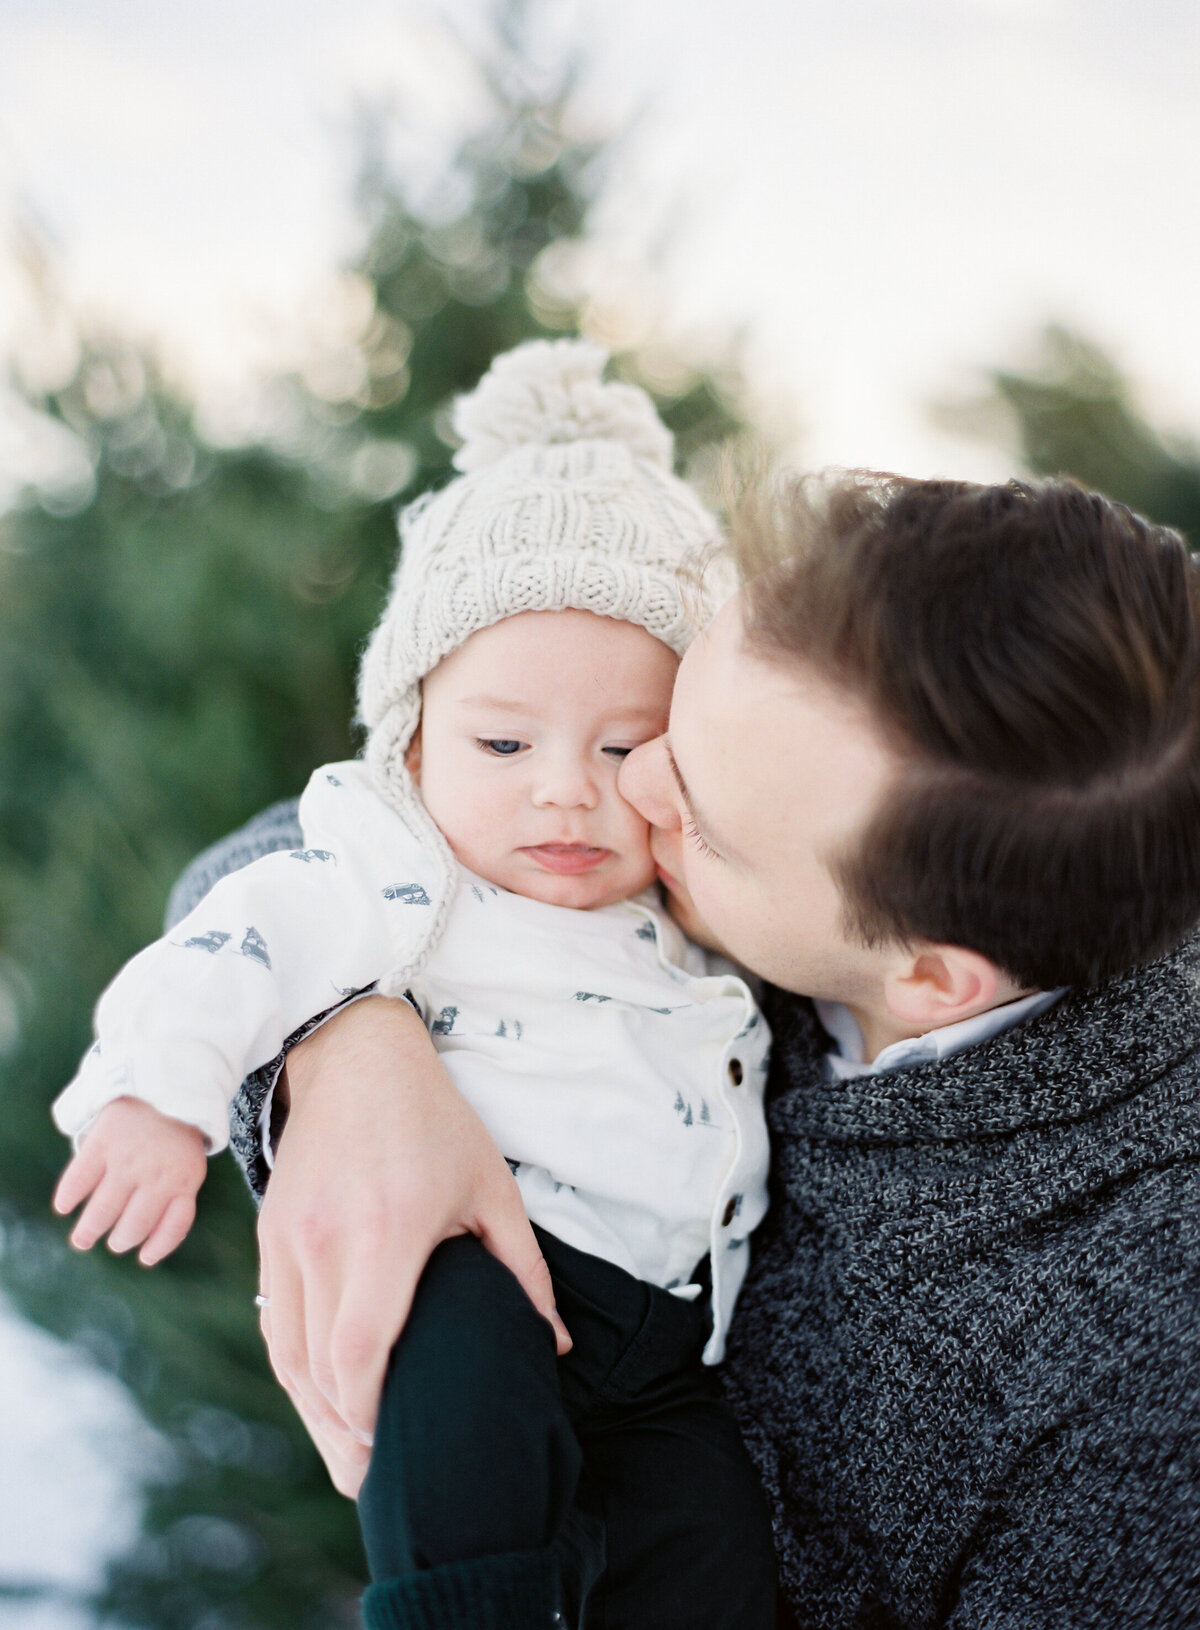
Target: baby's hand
[{"x": 142, "y": 1170}]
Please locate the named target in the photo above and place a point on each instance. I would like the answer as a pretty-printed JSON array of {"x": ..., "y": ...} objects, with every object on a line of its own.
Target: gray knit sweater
[{"x": 967, "y": 1359}]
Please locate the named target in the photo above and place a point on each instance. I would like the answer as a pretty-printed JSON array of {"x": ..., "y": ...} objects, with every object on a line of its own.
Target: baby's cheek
[
  {"x": 475, "y": 848},
  {"x": 641, "y": 873},
  {"x": 638, "y": 868},
  {"x": 638, "y": 842}
]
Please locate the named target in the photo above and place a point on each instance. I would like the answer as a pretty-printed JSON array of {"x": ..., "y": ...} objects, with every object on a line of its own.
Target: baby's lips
[{"x": 567, "y": 859}]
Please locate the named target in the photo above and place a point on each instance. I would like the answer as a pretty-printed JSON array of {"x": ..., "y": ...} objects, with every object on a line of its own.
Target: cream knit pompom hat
[{"x": 565, "y": 501}]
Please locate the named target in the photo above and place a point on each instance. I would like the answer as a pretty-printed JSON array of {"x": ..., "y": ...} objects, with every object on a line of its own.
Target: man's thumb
[{"x": 506, "y": 1233}]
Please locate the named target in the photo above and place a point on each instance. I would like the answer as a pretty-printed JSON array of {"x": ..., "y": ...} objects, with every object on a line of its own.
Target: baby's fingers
[
  {"x": 101, "y": 1212},
  {"x": 78, "y": 1180},
  {"x": 140, "y": 1217},
  {"x": 170, "y": 1230}
]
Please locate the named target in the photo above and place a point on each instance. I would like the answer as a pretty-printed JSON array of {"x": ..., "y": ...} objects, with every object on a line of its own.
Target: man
[{"x": 935, "y": 774}]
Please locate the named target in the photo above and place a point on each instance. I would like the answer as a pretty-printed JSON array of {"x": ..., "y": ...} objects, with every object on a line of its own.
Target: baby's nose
[{"x": 567, "y": 783}]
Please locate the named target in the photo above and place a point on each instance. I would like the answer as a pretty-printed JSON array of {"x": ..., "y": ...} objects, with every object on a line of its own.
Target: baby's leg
[
  {"x": 688, "y": 1530},
  {"x": 466, "y": 1507},
  {"x": 686, "y": 1525}
]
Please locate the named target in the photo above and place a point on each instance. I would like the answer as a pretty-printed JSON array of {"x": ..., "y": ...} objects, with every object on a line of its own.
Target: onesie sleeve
[
  {"x": 252, "y": 1112},
  {"x": 284, "y": 938}
]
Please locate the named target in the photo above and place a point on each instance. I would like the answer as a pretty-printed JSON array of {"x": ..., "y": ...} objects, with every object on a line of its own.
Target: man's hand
[
  {"x": 346, "y": 1459},
  {"x": 142, "y": 1171},
  {"x": 380, "y": 1161}
]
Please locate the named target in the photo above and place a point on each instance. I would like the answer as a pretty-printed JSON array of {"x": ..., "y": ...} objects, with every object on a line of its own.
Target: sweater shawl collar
[{"x": 1094, "y": 1048}]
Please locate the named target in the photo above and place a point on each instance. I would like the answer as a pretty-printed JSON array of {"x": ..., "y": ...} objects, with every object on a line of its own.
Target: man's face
[{"x": 767, "y": 773}]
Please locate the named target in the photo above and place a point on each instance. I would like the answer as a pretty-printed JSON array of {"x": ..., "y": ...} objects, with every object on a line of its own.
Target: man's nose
[{"x": 645, "y": 781}]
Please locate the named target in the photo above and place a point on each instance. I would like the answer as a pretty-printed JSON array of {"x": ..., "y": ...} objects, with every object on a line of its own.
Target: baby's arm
[
  {"x": 139, "y": 1172},
  {"x": 283, "y": 938},
  {"x": 182, "y": 1023}
]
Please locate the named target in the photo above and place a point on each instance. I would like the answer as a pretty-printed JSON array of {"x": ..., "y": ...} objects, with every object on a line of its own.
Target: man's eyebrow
[{"x": 703, "y": 826}]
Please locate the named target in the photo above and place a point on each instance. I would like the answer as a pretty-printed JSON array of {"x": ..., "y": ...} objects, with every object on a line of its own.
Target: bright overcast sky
[{"x": 887, "y": 195}]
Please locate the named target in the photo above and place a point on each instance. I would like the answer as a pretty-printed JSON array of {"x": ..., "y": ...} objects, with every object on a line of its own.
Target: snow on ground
[{"x": 70, "y": 1438}]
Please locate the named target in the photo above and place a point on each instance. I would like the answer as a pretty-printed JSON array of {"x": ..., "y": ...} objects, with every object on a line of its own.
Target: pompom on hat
[{"x": 565, "y": 501}]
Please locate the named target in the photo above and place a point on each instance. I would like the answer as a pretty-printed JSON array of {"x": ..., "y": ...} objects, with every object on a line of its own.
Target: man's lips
[{"x": 567, "y": 859}]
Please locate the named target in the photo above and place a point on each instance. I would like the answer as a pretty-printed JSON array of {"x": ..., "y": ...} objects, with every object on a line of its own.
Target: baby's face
[{"x": 523, "y": 730}]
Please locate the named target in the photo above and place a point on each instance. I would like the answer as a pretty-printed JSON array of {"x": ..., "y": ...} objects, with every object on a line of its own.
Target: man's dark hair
[{"x": 1032, "y": 651}]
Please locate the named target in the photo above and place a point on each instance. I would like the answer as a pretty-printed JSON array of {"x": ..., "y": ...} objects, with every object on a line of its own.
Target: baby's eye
[
  {"x": 501, "y": 746},
  {"x": 619, "y": 752}
]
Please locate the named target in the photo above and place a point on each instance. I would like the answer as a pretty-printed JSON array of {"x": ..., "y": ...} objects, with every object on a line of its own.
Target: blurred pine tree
[
  {"x": 1075, "y": 415},
  {"x": 178, "y": 628}
]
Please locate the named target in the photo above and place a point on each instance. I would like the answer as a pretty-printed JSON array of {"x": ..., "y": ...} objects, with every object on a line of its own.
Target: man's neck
[
  {"x": 866, "y": 1046},
  {"x": 879, "y": 1031},
  {"x": 882, "y": 1030}
]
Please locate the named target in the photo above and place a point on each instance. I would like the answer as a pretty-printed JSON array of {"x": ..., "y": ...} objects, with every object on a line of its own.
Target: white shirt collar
[{"x": 846, "y": 1057}]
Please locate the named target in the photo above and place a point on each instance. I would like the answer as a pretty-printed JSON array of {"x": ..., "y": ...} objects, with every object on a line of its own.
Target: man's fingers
[
  {"x": 170, "y": 1231},
  {"x": 562, "y": 1336},
  {"x": 282, "y": 1320},
  {"x": 358, "y": 1393},
  {"x": 285, "y": 1333},
  {"x": 323, "y": 1290},
  {"x": 283, "y": 1327},
  {"x": 360, "y": 1343},
  {"x": 505, "y": 1230},
  {"x": 345, "y": 1460}
]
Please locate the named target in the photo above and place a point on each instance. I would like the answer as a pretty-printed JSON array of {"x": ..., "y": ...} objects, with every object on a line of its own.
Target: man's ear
[
  {"x": 931, "y": 985},
  {"x": 412, "y": 758}
]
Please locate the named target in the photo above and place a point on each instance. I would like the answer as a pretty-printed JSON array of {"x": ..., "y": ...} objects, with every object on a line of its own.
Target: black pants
[{"x": 510, "y": 1490}]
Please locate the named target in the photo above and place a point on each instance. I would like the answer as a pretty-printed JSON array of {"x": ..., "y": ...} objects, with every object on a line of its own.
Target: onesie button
[
  {"x": 735, "y": 1071},
  {"x": 730, "y": 1212}
]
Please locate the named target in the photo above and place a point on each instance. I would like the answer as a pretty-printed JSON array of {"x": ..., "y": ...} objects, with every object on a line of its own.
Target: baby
[{"x": 481, "y": 861}]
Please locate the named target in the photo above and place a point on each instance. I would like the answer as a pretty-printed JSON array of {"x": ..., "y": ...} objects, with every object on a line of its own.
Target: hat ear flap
[
  {"x": 391, "y": 736},
  {"x": 412, "y": 758}
]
